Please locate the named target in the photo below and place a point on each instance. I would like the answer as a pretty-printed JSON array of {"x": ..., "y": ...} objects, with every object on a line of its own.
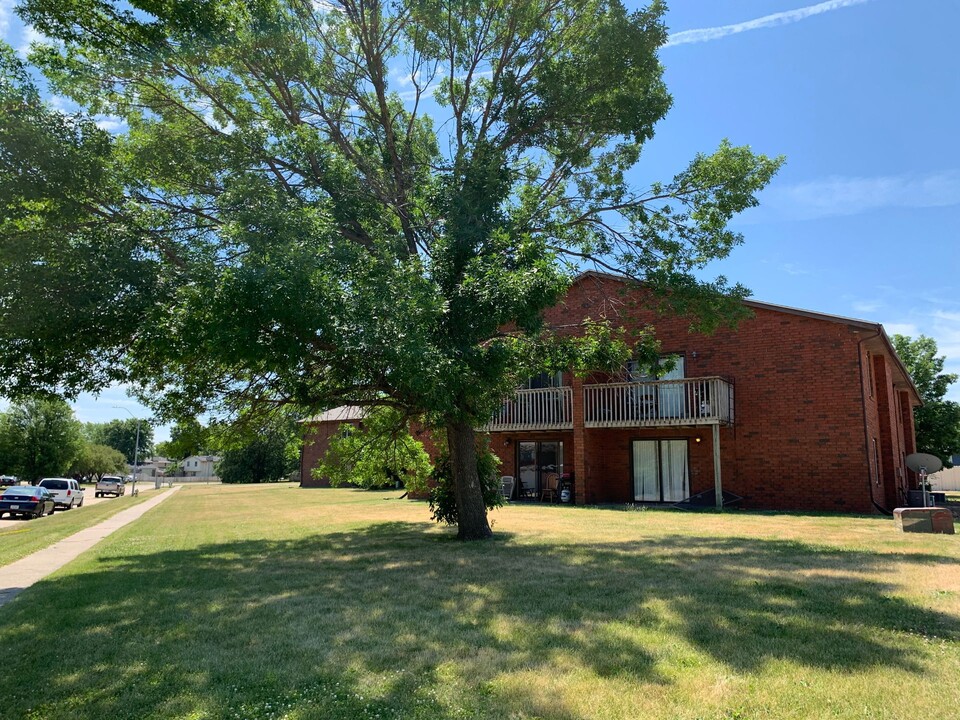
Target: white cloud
[
  {"x": 781, "y": 18},
  {"x": 901, "y": 328},
  {"x": 6, "y": 10},
  {"x": 836, "y": 195},
  {"x": 866, "y": 306},
  {"x": 111, "y": 123},
  {"x": 794, "y": 269},
  {"x": 30, "y": 35}
]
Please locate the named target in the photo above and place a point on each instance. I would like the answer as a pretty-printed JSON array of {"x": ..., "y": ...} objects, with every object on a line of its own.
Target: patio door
[
  {"x": 660, "y": 471},
  {"x": 536, "y": 459}
]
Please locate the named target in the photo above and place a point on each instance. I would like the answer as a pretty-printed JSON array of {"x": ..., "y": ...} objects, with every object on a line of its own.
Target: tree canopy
[
  {"x": 349, "y": 201},
  {"x": 262, "y": 459},
  {"x": 122, "y": 435},
  {"x": 95, "y": 461},
  {"x": 376, "y": 455},
  {"x": 39, "y": 437},
  {"x": 937, "y": 421},
  {"x": 187, "y": 437}
]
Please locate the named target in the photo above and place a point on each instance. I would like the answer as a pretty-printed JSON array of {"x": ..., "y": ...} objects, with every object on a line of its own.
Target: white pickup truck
[{"x": 66, "y": 492}]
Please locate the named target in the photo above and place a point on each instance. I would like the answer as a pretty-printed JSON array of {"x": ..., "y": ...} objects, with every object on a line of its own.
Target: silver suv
[{"x": 110, "y": 485}]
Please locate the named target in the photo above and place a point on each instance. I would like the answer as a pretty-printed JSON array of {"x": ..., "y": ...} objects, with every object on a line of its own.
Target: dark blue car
[{"x": 27, "y": 501}]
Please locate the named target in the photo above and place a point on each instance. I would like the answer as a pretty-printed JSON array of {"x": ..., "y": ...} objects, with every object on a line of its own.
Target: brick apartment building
[{"x": 793, "y": 410}]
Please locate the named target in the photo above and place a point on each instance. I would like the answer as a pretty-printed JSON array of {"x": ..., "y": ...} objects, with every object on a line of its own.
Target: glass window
[
  {"x": 636, "y": 373},
  {"x": 544, "y": 380}
]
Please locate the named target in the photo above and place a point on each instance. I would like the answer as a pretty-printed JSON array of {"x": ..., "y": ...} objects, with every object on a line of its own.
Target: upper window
[
  {"x": 636, "y": 373},
  {"x": 543, "y": 380}
]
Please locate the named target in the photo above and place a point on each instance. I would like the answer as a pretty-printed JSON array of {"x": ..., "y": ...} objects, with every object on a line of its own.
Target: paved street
[{"x": 88, "y": 500}]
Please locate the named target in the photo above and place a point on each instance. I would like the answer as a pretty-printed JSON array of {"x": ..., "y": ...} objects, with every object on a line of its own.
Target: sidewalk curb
[{"x": 18, "y": 576}]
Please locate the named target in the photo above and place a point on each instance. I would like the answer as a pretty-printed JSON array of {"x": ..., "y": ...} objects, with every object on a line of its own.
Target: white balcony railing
[
  {"x": 690, "y": 401},
  {"x": 541, "y": 409}
]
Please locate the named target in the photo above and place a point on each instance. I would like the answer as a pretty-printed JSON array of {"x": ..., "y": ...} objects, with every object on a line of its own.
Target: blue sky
[{"x": 862, "y": 97}]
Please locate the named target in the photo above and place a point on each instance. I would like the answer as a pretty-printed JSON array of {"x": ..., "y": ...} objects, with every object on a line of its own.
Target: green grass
[
  {"x": 28, "y": 536},
  {"x": 276, "y": 602}
]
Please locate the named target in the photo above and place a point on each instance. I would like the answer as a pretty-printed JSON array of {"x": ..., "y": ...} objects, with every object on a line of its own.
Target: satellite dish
[{"x": 924, "y": 462}]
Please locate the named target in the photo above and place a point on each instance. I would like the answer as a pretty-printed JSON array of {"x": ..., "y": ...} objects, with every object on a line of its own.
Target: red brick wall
[
  {"x": 315, "y": 445},
  {"x": 909, "y": 436},
  {"x": 892, "y": 441},
  {"x": 806, "y": 410},
  {"x": 798, "y": 440}
]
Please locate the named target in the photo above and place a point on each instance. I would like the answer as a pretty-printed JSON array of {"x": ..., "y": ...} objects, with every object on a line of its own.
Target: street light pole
[{"x": 136, "y": 451}]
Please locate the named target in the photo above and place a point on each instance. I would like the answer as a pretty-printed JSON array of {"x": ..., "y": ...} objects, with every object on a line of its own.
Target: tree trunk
[{"x": 471, "y": 510}]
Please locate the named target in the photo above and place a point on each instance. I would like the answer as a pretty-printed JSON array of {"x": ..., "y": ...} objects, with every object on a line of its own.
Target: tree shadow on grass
[{"x": 392, "y": 621}]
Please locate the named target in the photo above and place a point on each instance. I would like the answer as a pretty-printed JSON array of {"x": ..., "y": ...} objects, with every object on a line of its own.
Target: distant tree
[
  {"x": 122, "y": 435},
  {"x": 98, "y": 460},
  {"x": 39, "y": 437},
  {"x": 264, "y": 459},
  {"x": 937, "y": 420},
  {"x": 376, "y": 455},
  {"x": 187, "y": 437}
]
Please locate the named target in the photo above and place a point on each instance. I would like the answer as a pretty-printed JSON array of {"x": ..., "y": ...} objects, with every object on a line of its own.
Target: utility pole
[{"x": 136, "y": 451}]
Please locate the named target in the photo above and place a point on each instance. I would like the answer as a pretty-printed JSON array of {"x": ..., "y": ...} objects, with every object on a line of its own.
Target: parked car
[
  {"x": 66, "y": 492},
  {"x": 110, "y": 485},
  {"x": 7, "y": 480},
  {"x": 27, "y": 501}
]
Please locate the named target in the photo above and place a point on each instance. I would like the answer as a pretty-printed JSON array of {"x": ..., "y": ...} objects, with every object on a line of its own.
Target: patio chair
[
  {"x": 506, "y": 487},
  {"x": 550, "y": 483},
  {"x": 528, "y": 487}
]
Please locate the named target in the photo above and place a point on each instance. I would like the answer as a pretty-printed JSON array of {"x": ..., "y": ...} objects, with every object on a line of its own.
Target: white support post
[{"x": 717, "y": 484}]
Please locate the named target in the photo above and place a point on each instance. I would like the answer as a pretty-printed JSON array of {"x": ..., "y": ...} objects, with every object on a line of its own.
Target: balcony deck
[
  {"x": 663, "y": 403},
  {"x": 541, "y": 409}
]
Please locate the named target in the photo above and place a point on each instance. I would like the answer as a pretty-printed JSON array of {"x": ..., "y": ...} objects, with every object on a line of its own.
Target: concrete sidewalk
[{"x": 23, "y": 573}]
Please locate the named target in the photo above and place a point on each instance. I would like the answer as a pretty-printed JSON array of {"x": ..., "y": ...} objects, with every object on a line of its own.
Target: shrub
[{"x": 443, "y": 500}]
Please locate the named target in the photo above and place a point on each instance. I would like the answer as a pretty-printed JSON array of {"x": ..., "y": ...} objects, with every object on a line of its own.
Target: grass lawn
[
  {"x": 277, "y": 602},
  {"x": 28, "y": 536}
]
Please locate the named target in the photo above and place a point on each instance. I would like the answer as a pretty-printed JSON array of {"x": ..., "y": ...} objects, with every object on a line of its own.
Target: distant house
[
  {"x": 199, "y": 466},
  {"x": 154, "y": 467},
  {"x": 792, "y": 410}
]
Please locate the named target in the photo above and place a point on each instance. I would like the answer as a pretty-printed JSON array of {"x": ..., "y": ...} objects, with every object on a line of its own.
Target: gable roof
[{"x": 344, "y": 413}]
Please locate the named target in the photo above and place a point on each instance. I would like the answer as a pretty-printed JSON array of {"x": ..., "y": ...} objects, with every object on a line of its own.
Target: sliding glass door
[
  {"x": 534, "y": 460},
  {"x": 660, "y": 471}
]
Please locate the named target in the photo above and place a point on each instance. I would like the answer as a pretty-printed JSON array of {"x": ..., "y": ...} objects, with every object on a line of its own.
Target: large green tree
[
  {"x": 937, "y": 421},
  {"x": 187, "y": 437},
  {"x": 262, "y": 459},
  {"x": 122, "y": 435},
  {"x": 352, "y": 201},
  {"x": 38, "y": 437},
  {"x": 97, "y": 460}
]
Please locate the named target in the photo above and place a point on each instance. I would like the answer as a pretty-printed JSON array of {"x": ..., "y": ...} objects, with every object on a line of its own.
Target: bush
[{"x": 443, "y": 499}]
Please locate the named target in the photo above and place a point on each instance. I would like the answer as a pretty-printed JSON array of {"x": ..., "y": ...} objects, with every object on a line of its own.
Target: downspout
[{"x": 866, "y": 431}]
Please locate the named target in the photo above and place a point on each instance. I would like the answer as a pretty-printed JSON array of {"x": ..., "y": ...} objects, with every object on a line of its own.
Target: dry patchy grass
[{"x": 271, "y": 602}]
